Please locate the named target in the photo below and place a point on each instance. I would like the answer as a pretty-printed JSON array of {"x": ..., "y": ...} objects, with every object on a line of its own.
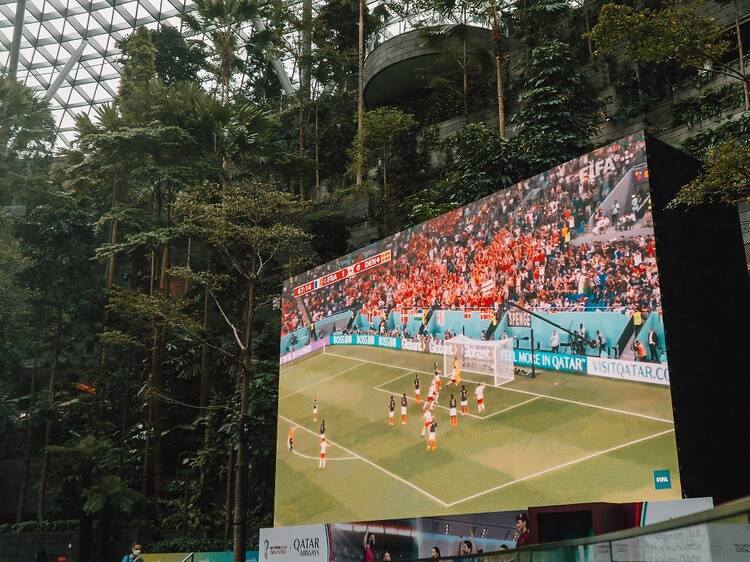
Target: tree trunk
[
  {"x": 242, "y": 453},
  {"x": 85, "y": 536},
  {"x": 230, "y": 487},
  {"x": 42, "y": 488},
  {"x": 317, "y": 154},
  {"x": 497, "y": 40},
  {"x": 465, "y": 65},
  {"x": 741, "y": 52},
  {"x": 204, "y": 390},
  {"x": 24, "y": 486},
  {"x": 360, "y": 91},
  {"x": 110, "y": 266},
  {"x": 386, "y": 213},
  {"x": 301, "y": 146},
  {"x": 105, "y": 530},
  {"x": 587, "y": 22}
]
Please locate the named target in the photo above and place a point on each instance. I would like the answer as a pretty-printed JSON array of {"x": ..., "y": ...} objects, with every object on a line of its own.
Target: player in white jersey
[
  {"x": 323, "y": 447},
  {"x": 431, "y": 396},
  {"x": 479, "y": 393},
  {"x": 426, "y": 419}
]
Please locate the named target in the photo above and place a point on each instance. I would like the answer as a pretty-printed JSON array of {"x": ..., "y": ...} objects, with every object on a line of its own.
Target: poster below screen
[{"x": 508, "y": 353}]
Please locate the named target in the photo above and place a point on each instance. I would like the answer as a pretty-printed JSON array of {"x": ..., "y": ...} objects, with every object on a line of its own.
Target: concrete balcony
[{"x": 402, "y": 65}]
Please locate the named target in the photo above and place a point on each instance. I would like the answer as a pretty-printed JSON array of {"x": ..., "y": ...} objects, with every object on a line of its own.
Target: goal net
[{"x": 493, "y": 358}]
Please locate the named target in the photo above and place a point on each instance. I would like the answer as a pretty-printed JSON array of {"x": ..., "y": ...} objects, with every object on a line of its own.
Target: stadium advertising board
[{"x": 401, "y": 392}]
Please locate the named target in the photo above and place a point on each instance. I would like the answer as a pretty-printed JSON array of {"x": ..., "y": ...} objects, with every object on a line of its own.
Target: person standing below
[
  {"x": 653, "y": 346},
  {"x": 554, "y": 342},
  {"x": 391, "y": 411},
  {"x": 404, "y": 404},
  {"x": 601, "y": 342},
  {"x": 616, "y": 215},
  {"x": 522, "y": 530},
  {"x": 134, "y": 555},
  {"x": 368, "y": 547}
]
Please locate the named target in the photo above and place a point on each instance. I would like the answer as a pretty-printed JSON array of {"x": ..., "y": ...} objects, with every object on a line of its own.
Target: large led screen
[{"x": 531, "y": 323}]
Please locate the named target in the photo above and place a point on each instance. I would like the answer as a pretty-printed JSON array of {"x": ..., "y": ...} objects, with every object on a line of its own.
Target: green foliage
[
  {"x": 711, "y": 103},
  {"x": 557, "y": 110},
  {"x": 40, "y": 526},
  {"x": 175, "y": 60},
  {"x": 724, "y": 180},
  {"x": 699, "y": 144},
  {"x": 187, "y": 544},
  {"x": 90, "y": 463}
]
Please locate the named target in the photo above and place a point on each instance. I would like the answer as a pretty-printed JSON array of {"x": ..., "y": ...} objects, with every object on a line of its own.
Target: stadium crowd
[{"x": 517, "y": 244}]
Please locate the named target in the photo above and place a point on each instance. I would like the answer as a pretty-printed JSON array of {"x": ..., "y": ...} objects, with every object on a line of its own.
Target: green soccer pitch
[{"x": 556, "y": 439}]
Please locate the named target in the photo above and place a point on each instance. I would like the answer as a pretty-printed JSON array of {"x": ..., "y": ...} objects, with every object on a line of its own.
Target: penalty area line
[
  {"x": 560, "y": 466},
  {"x": 372, "y": 464},
  {"x": 304, "y": 456}
]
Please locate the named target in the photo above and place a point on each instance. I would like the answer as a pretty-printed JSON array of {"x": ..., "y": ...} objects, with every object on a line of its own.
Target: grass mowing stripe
[
  {"x": 550, "y": 397},
  {"x": 511, "y": 407},
  {"x": 322, "y": 380},
  {"x": 564, "y": 465},
  {"x": 363, "y": 459}
]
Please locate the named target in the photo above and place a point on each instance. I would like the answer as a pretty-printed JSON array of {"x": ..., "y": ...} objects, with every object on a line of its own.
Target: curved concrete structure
[{"x": 401, "y": 65}]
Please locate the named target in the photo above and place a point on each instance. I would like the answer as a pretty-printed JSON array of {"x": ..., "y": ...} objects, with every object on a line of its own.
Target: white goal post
[{"x": 493, "y": 358}]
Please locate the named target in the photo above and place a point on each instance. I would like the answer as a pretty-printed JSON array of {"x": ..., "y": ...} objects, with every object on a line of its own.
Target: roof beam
[
  {"x": 15, "y": 46},
  {"x": 63, "y": 74},
  {"x": 278, "y": 67}
]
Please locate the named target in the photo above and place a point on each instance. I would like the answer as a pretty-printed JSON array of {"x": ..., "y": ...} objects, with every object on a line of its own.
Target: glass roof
[
  {"x": 68, "y": 48},
  {"x": 73, "y": 41}
]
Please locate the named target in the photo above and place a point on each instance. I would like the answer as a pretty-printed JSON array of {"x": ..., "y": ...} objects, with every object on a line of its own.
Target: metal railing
[{"x": 721, "y": 534}]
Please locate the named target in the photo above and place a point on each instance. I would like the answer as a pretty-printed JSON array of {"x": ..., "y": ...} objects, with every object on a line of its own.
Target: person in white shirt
[
  {"x": 323, "y": 447},
  {"x": 427, "y": 419},
  {"x": 554, "y": 342},
  {"x": 479, "y": 393}
]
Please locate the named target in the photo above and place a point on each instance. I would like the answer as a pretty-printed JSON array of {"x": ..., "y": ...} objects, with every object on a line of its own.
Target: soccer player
[
  {"x": 427, "y": 419},
  {"x": 315, "y": 408},
  {"x": 438, "y": 382},
  {"x": 432, "y": 437},
  {"x": 290, "y": 438},
  {"x": 323, "y": 447},
  {"x": 391, "y": 410},
  {"x": 431, "y": 396},
  {"x": 456, "y": 374},
  {"x": 479, "y": 393},
  {"x": 464, "y": 400},
  {"x": 404, "y": 403},
  {"x": 452, "y": 408},
  {"x": 323, "y": 431},
  {"x": 416, "y": 390}
]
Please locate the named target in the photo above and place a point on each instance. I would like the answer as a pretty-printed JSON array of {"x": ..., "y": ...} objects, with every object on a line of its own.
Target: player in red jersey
[
  {"x": 404, "y": 404},
  {"x": 464, "y": 400},
  {"x": 431, "y": 396},
  {"x": 452, "y": 409}
]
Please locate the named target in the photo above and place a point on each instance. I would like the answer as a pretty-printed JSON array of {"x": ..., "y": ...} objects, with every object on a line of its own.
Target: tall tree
[
  {"x": 248, "y": 225},
  {"x": 676, "y": 33},
  {"x": 557, "y": 109}
]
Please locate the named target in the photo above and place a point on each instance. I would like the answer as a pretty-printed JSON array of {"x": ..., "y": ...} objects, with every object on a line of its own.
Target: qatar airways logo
[
  {"x": 309, "y": 546},
  {"x": 481, "y": 353}
]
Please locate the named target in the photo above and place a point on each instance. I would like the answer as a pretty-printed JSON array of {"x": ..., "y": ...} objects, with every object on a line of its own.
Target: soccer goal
[{"x": 493, "y": 358}]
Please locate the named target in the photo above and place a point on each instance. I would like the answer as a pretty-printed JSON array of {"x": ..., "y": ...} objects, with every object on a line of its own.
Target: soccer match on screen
[{"x": 507, "y": 353}]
